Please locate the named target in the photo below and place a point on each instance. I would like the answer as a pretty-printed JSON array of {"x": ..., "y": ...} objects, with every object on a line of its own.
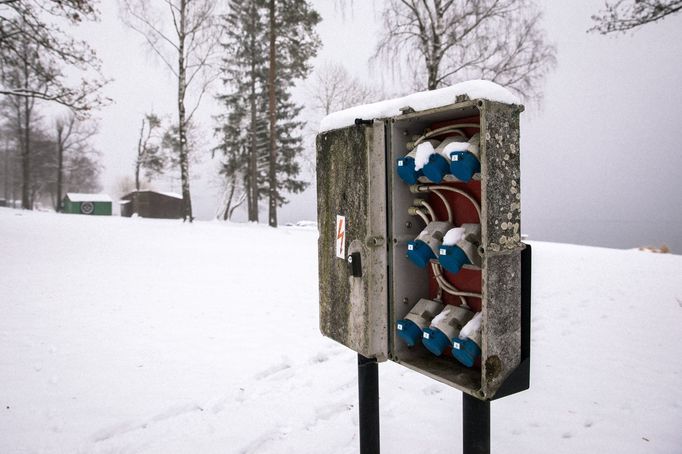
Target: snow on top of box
[
  {"x": 474, "y": 89},
  {"x": 81, "y": 197}
]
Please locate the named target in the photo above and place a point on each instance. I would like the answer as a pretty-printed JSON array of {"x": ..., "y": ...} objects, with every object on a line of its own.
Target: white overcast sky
[{"x": 601, "y": 155}]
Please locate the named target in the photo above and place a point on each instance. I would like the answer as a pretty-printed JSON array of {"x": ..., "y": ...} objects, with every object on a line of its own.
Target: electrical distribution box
[{"x": 420, "y": 252}]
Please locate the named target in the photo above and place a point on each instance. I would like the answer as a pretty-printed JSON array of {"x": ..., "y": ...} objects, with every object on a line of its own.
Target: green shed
[{"x": 78, "y": 203}]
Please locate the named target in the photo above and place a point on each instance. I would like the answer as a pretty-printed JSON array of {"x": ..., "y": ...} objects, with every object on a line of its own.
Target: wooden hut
[{"x": 152, "y": 204}]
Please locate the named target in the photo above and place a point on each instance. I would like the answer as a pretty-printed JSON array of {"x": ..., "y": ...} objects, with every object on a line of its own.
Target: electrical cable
[
  {"x": 446, "y": 129},
  {"x": 421, "y": 214},
  {"x": 445, "y": 202},
  {"x": 426, "y": 205},
  {"x": 458, "y": 191},
  {"x": 448, "y": 287}
]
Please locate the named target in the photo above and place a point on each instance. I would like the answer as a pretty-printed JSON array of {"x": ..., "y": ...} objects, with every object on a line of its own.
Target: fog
[{"x": 601, "y": 162}]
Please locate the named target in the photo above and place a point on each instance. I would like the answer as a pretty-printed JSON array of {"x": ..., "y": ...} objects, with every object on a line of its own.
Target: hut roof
[{"x": 81, "y": 197}]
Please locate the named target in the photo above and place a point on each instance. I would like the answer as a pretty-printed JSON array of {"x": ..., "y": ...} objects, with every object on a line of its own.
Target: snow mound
[
  {"x": 453, "y": 236},
  {"x": 470, "y": 328},
  {"x": 424, "y": 152},
  {"x": 474, "y": 89}
]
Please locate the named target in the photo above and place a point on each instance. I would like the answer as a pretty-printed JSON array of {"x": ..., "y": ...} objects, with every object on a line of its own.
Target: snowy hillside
[{"x": 149, "y": 336}]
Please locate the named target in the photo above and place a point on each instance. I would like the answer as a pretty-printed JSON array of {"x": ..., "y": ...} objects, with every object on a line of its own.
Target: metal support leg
[
  {"x": 368, "y": 389},
  {"x": 476, "y": 425}
]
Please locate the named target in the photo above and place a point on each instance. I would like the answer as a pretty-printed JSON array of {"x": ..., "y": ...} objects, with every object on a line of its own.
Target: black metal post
[
  {"x": 476, "y": 425},
  {"x": 368, "y": 390}
]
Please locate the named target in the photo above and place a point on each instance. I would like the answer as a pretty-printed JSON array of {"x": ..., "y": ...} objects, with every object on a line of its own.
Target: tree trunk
[
  {"x": 26, "y": 202},
  {"x": 6, "y": 174},
  {"x": 60, "y": 168},
  {"x": 182, "y": 133},
  {"x": 252, "y": 196},
  {"x": 226, "y": 214},
  {"x": 272, "y": 111},
  {"x": 138, "y": 164}
]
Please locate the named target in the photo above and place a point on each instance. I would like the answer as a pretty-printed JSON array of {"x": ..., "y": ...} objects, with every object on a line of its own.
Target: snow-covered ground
[{"x": 132, "y": 335}]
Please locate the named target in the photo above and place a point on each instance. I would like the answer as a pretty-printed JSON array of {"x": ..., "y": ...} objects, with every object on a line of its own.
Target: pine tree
[
  {"x": 260, "y": 136},
  {"x": 292, "y": 43},
  {"x": 241, "y": 127}
]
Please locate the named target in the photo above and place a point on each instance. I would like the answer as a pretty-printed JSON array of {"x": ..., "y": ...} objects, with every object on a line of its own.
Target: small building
[
  {"x": 152, "y": 204},
  {"x": 78, "y": 203}
]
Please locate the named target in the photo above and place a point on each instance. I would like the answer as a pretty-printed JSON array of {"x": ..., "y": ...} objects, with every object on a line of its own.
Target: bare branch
[
  {"x": 622, "y": 15},
  {"x": 442, "y": 42}
]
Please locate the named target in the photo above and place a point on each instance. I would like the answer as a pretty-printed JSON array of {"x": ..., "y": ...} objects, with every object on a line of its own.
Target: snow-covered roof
[
  {"x": 81, "y": 197},
  {"x": 170, "y": 194},
  {"x": 474, "y": 89},
  {"x": 166, "y": 193}
]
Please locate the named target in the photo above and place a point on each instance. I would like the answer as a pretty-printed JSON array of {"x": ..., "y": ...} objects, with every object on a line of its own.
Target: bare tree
[
  {"x": 445, "y": 41},
  {"x": 150, "y": 156},
  {"x": 72, "y": 136},
  {"x": 33, "y": 24},
  {"x": 621, "y": 16},
  {"x": 183, "y": 34},
  {"x": 19, "y": 109},
  {"x": 32, "y": 60},
  {"x": 332, "y": 88}
]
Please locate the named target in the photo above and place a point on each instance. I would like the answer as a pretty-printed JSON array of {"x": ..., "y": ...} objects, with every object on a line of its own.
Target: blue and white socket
[
  {"x": 406, "y": 170},
  {"x": 452, "y": 258},
  {"x": 437, "y": 167},
  {"x": 420, "y": 253},
  {"x": 409, "y": 332},
  {"x": 435, "y": 340},
  {"x": 465, "y": 351},
  {"x": 463, "y": 165}
]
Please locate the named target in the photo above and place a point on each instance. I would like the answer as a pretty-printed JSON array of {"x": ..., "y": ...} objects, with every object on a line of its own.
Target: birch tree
[
  {"x": 150, "y": 157},
  {"x": 183, "y": 35},
  {"x": 441, "y": 42},
  {"x": 624, "y": 15}
]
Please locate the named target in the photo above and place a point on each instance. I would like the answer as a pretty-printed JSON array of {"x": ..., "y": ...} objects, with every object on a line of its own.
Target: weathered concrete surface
[
  {"x": 352, "y": 309},
  {"x": 500, "y": 165},
  {"x": 501, "y": 241}
]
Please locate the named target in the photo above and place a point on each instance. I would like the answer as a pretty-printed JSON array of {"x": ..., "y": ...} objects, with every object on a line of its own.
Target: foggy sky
[{"x": 601, "y": 161}]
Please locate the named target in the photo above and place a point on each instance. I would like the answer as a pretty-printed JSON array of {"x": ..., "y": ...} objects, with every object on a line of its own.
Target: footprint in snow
[
  {"x": 567, "y": 435},
  {"x": 257, "y": 445},
  {"x": 432, "y": 390},
  {"x": 588, "y": 424},
  {"x": 321, "y": 357},
  {"x": 346, "y": 385},
  {"x": 328, "y": 411},
  {"x": 176, "y": 410},
  {"x": 270, "y": 371}
]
